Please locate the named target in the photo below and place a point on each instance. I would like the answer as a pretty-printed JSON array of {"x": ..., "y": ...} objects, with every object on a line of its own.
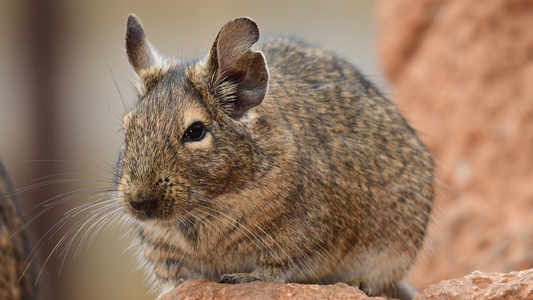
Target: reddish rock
[
  {"x": 476, "y": 286},
  {"x": 483, "y": 286},
  {"x": 462, "y": 73},
  {"x": 210, "y": 289}
]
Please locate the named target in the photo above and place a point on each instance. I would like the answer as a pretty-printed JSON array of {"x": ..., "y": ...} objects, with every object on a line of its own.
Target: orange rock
[
  {"x": 210, "y": 290},
  {"x": 476, "y": 286},
  {"x": 483, "y": 286}
]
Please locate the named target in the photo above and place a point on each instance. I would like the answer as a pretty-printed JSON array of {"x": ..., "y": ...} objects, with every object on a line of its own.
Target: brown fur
[
  {"x": 16, "y": 282},
  {"x": 319, "y": 181}
]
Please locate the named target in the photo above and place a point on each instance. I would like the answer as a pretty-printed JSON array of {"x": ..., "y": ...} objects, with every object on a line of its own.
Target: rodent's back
[
  {"x": 16, "y": 279},
  {"x": 351, "y": 151},
  {"x": 341, "y": 125}
]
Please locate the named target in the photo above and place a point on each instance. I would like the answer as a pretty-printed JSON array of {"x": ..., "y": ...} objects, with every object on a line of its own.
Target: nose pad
[{"x": 155, "y": 201}]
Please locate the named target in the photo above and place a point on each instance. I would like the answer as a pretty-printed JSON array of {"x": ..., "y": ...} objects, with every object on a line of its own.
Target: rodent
[
  {"x": 271, "y": 161},
  {"x": 17, "y": 276}
]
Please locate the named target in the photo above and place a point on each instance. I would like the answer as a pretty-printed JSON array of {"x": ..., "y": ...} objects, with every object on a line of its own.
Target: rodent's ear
[
  {"x": 240, "y": 75},
  {"x": 141, "y": 54}
]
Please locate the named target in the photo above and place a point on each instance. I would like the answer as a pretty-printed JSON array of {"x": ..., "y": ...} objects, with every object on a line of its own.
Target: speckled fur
[
  {"x": 14, "y": 250},
  {"x": 323, "y": 182}
]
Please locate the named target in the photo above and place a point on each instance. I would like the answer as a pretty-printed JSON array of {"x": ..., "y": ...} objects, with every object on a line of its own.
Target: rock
[
  {"x": 462, "y": 73},
  {"x": 476, "y": 286},
  {"x": 483, "y": 286},
  {"x": 209, "y": 289}
]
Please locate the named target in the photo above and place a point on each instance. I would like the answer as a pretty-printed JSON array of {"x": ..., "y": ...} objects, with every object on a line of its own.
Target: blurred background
[{"x": 66, "y": 84}]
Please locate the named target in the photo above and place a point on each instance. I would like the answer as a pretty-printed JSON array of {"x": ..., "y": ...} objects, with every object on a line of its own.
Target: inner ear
[{"x": 240, "y": 75}]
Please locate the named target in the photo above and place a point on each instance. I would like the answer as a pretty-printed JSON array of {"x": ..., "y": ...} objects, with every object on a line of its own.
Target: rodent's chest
[{"x": 203, "y": 248}]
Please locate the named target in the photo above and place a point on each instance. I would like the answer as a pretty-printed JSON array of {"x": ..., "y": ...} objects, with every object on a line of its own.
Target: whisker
[
  {"x": 47, "y": 207},
  {"x": 56, "y": 175},
  {"x": 98, "y": 227},
  {"x": 51, "y": 182},
  {"x": 116, "y": 85},
  {"x": 113, "y": 171},
  {"x": 87, "y": 219},
  {"x": 113, "y": 167},
  {"x": 40, "y": 244}
]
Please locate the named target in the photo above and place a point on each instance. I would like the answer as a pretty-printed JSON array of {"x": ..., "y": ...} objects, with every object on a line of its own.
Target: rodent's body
[
  {"x": 16, "y": 277},
  {"x": 322, "y": 182}
]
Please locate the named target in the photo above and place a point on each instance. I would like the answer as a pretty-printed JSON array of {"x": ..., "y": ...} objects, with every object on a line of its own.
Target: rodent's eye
[{"x": 194, "y": 133}]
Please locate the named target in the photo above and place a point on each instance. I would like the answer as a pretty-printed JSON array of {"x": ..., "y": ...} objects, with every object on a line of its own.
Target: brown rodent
[
  {"x": 16, "y": 277},
  {"x": 274, "y": 161}
]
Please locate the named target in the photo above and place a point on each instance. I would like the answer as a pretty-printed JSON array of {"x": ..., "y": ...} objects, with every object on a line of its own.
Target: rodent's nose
[{"x": 145, "y": 207}]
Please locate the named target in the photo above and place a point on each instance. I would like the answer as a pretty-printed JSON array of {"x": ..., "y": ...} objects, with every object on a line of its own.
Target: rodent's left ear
[
  {"x": 240, "y": 75},
  {"x": 141, "y": 54}
]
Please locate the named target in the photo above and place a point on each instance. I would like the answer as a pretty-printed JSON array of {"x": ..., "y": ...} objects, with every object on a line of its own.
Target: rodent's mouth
[
  {"x": 150, "y": 216},
  {"x": 146, "y": 209}
]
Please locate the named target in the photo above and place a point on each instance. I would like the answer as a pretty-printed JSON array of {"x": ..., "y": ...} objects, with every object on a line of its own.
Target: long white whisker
[
  {"x": 113, "y": 170},
  {"x": 72, "y": 195}
]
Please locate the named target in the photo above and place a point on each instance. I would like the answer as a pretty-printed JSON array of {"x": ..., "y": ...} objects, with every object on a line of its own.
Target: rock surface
[
  {"x": 462, "y": 73},
  {"x": 210, "y": 289},
  {"x": 476, "y": 286},
  {"x": 483, "y": 286}
]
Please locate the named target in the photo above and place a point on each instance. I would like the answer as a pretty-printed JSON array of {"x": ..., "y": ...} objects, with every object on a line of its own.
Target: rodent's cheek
[
  {"x": 203, "y": 145},
  {"x": 127, "y": 119},
  {"x": 124, "y": 182},
  {"x": 121, "y": 191}
]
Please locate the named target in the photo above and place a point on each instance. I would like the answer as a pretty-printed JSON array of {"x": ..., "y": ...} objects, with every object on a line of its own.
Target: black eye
[{"x": 194, "y": 133}]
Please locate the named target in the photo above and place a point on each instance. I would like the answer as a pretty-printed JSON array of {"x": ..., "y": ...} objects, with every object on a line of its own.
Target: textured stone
[
  {"x": 476, "y": 286},
  {"x": 210, "y": 289},
  {"x": 483, "y": 286},
  {"x": 462, "y": 73}
]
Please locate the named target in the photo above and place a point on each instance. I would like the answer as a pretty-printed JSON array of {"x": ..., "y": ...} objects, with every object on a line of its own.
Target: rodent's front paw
[
  {"x": 238, "y": 278},
  {"x": 361, "y": 284}
]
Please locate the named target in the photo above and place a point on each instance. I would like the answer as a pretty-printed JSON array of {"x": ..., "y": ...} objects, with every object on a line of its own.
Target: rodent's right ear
[
  {"x": 240, "y": 74},
  {"x": 141, "y": 54}
]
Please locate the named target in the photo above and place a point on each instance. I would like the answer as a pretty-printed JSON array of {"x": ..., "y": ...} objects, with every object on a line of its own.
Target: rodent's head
[{"x": 185, "y": 142}]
